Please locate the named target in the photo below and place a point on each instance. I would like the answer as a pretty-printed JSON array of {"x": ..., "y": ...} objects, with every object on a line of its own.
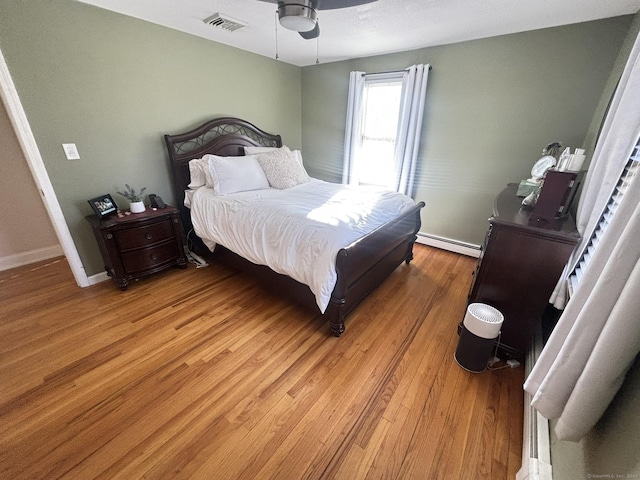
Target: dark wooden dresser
[
  {"x": 518, "y": 269},
  {"x": 139, "y": 244}
]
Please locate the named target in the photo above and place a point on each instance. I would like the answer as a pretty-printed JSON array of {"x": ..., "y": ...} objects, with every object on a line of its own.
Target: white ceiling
[{"x": 384, "y": 26}]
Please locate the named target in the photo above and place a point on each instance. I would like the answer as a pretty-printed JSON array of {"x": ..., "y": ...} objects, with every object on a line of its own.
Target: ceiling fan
[{"x": 302, "y": 15}]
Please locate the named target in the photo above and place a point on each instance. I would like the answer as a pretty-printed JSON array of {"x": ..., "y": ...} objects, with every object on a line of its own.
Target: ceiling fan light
[{"x": 297, "y": 17}]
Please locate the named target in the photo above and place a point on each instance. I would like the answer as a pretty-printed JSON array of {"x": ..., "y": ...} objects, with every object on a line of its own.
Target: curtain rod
[{"x": 390, "y": 71}]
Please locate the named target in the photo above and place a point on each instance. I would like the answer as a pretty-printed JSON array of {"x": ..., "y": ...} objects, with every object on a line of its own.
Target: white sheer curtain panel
[
  {"x": 352, "y": 132},
  {"x": 609, "y": 159},
  {"x": 414, "y": 91},
  {"x": 597, "y": 337}
]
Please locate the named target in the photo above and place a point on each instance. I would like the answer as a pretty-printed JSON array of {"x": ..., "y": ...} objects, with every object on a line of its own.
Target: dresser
[
  {"x": 518, "y": 269},
  {"x": 140, "y": 244}
]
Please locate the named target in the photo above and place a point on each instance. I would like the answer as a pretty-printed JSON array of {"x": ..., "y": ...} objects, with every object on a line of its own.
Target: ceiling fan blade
[
  {"x": 335, "y": 4},
  {"x": 311, "y": 33},
  {"x": 327, "y": 4}
]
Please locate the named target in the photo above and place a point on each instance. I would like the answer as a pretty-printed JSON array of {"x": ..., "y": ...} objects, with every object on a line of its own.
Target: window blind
[{"x": 629, "y": 173}]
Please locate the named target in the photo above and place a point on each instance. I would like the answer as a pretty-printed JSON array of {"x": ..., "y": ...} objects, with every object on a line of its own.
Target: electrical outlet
[{"x": 71, "y": 151}]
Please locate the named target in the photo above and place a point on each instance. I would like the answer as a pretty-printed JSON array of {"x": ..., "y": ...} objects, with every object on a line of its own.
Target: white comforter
[{"x": 298, "y": 231}]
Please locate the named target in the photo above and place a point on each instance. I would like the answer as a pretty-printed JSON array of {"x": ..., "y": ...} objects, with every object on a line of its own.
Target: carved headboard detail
[{"x": 225, "y": 136}]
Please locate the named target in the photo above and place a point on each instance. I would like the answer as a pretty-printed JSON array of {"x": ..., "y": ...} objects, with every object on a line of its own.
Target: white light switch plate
[{"x": 71, "y": 151}]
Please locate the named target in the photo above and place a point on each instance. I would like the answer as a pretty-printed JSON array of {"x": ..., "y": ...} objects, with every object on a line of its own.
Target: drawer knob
[
  {"x": 175, "y": 220},
  {"x": 109, "y": 236},
  {"x": 153, "y": 256},
  {"x": 148, "y": 236}
]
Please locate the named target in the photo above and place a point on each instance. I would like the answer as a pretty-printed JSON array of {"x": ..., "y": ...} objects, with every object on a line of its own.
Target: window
[
  {"x": 631, "y": 171},
  {"x": 384, "y": 123},
  {"x": 374, "y": 157}
]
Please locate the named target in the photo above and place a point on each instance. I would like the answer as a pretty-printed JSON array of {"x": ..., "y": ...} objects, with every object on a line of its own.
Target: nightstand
[{"x": 140, "y": 244}]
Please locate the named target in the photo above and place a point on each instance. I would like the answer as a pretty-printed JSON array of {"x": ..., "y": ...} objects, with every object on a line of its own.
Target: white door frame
[{"x": 29, "y": 147}]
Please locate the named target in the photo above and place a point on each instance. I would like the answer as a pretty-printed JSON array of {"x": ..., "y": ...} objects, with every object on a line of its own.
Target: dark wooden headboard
[{"x": 225, "y": 136}]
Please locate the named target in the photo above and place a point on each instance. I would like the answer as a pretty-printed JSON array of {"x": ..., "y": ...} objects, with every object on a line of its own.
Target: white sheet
[{"x": 298, "y": 231}]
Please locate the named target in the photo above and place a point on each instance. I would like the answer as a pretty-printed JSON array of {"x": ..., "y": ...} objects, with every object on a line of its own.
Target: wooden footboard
[
  {"x": 361, "y": 267},
  {"x": 367, "y": 262}
]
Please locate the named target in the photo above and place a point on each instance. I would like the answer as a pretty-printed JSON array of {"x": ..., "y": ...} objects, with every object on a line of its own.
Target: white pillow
[
  {"x": 196, "y": 174},
  {"x": 282, "y": 168},
  {"x": 298, "y": 155},
  {"x": 199, "y": 174},
  {"x": 236, "y": 174}
]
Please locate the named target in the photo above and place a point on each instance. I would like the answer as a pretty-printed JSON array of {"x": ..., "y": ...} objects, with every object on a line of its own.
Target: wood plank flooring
[{"x": 201, "y": 374}]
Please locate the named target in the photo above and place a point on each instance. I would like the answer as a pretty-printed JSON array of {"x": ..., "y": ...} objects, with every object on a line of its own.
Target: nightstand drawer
[
  {"x": 143, "y": 236},
  {"x": 149, "y": 258}
]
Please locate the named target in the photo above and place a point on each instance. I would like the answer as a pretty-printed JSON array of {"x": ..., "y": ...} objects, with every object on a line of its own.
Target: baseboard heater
[
  {"x": 449, "y": 244},
  {"x": 536, "y": 448}
]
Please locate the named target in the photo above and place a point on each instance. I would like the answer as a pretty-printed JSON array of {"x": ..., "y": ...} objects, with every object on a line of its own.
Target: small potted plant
[{"x": 136, "y": 205}]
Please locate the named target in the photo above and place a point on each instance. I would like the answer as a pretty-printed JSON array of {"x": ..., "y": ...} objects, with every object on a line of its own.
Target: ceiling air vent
[{"x": 225, "y": 22}]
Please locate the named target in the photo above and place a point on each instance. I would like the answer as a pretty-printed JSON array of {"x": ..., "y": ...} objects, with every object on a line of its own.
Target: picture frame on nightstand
[{"x": 103, "y": 206}]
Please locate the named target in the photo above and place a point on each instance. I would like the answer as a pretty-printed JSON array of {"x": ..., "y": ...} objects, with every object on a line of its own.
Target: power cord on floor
[
  {"x": 510, "y": 364},
  {"x": 193, "y": 257},
  {"x": 495, "y": 359}
]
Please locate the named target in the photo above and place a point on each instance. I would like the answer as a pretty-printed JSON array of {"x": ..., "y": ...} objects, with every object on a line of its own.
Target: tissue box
[{"x": 526, "y": 187}]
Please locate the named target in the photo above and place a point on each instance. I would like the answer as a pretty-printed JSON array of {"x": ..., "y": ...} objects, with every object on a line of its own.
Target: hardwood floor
[{"x": 175, "y": 379}]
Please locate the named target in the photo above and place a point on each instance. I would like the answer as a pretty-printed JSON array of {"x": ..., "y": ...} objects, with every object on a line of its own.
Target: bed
[{"x": 360, "y": 266}]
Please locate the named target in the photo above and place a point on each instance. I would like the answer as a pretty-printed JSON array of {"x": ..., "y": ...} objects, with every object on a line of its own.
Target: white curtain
[
  {"x": 612, "y": 151},
  {"x": 597, "y": 337},
  {"x": 414, "y": 91},
  {"x": 414, "y": 88},
  {"x": 352, "y": 132}
]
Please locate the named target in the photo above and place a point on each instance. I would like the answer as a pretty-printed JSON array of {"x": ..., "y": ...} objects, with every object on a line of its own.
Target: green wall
[
  {"x": 114, "y": 85},
  {"x": 492, "y": 106}
]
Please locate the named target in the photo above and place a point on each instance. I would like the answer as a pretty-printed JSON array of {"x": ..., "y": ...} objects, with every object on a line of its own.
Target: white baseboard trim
[
  {"x": 536, "y": 446},
  {"x": 32, "y": 256},
  {"x": 449, "y": 244},
  {"x": 98, "y": 278}
]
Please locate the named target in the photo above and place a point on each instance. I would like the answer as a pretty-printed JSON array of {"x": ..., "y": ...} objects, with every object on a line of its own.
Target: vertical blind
[{"x": 630, "y": 172}]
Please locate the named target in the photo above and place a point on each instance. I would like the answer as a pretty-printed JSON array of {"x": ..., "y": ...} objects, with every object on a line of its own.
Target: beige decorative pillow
[
  {"x": 282, "y": 168},
  {"x": 258, "y": 150}
]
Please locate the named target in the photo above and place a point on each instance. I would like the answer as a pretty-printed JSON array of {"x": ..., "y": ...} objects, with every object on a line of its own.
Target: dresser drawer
[
  {"x": 142, "y": 236},
  {"x": 148, "y": 258}
]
